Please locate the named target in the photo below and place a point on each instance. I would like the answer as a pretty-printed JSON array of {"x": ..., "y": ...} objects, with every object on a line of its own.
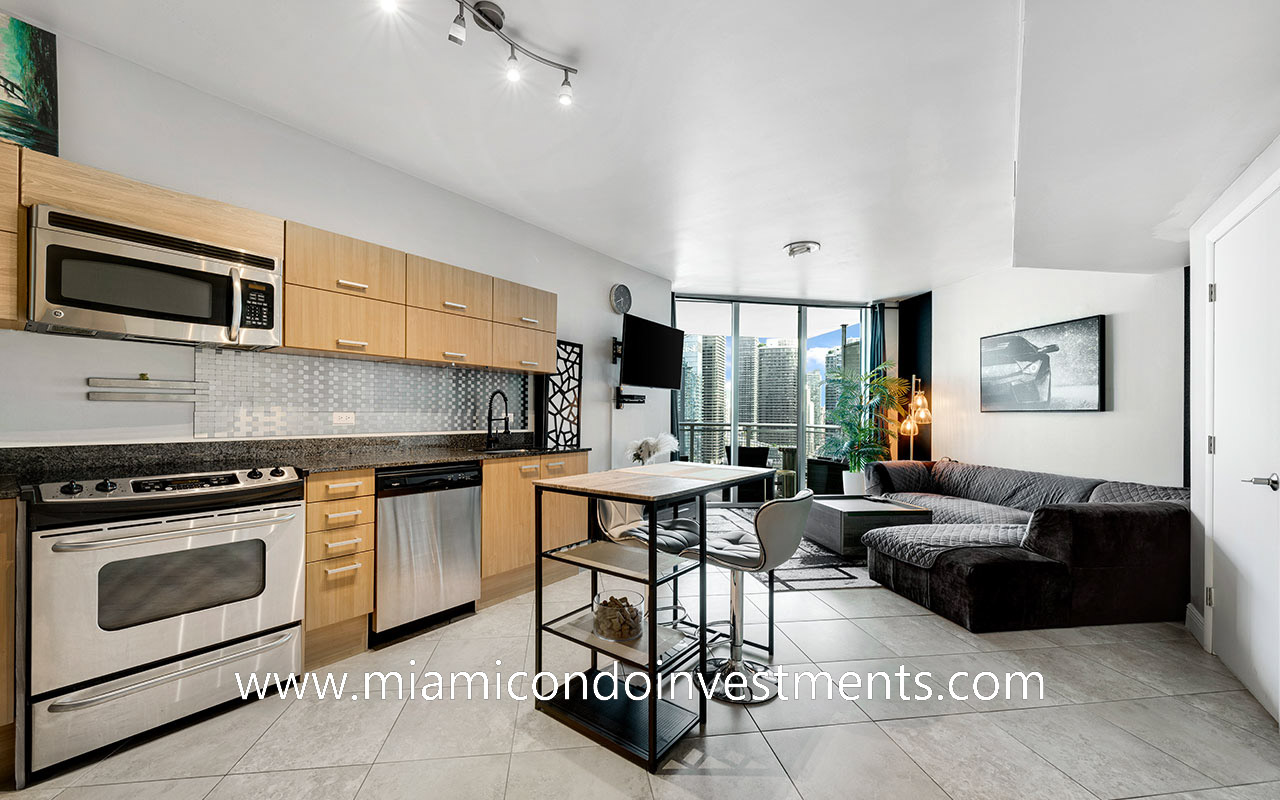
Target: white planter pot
[{"x": 854, "y": 482}]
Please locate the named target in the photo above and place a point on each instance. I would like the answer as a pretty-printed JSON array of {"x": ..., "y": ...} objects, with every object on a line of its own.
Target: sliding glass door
[{"x": 755, "y": 386}]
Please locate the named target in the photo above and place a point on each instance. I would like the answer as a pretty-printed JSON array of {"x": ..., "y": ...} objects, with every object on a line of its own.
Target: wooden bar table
[{"x": 642, "y": 730}]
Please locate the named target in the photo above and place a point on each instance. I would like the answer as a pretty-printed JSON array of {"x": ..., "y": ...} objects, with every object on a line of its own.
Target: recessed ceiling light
[
  {"x": 801, "y": 248},
  {"x": 389, "y": 6}
]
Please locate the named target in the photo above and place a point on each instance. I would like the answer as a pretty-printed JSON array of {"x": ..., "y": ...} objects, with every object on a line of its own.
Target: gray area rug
[{"x": 812, "y": 567}]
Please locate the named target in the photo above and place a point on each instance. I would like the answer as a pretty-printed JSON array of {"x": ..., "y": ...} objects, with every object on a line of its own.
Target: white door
[{"x": 1246, "y": 516}]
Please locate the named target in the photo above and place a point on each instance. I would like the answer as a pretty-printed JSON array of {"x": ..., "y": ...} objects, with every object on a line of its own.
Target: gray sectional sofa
[{"x": 1011, "y": 550}]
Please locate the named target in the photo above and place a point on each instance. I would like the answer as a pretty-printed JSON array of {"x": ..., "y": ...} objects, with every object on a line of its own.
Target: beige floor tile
[
  {"x": 834, "y": 640},
  {"x": 972, "y": 758},
  {"x": 587, "y": 772},
  {"x": 736, "y": 767},
  {"x": 1076, "y": 678},
  {"x": 850, "y": 762},
  {"x": 1102, "y": 757},
  {"x": 793, "y": 607},
  {"x": 869, "y": 602},
  {"x": 503, "y": 620},
  {"x": 914, "y": 636},
  {"x": 489, "y": 656},
  {"x": 882, "y": 694},
  {"x": 451, "y": 728},
  {"x": 323, "y": 733},
  {"x": 333, "y": 783},
  {"x": 472, "y": 778},
  {"x": 183, "y": 789},
  {"x": 535, "y": 730},
  {"x": 1238, "y": 708},
  {"x": 962, "y": 675},
  {"x": 806, "y": 698},
  {"x": 1160, "y": 667}
]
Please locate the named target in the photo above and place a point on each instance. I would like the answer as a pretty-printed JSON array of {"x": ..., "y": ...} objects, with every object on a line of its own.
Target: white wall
[
  {"x": 1139, "y": 438},
  {"x": 120, "y": 117}
]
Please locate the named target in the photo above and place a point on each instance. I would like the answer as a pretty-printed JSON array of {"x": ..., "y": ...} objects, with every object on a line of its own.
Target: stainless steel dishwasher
[{"x": 428, "y": 541}]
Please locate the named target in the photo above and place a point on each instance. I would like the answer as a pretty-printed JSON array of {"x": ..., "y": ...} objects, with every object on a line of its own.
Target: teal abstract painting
[{"x": 28, "y": 85}]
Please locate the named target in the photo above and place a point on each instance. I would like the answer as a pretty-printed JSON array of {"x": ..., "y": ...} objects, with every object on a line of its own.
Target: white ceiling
[{"x": 707, "y": 135}]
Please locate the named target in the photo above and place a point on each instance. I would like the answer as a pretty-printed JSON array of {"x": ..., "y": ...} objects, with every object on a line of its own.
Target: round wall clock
[{"x": 620, "y": 298}]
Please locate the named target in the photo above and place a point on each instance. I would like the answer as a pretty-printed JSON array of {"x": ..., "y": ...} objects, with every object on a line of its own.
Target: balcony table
[{"x": 643, "y": 730}]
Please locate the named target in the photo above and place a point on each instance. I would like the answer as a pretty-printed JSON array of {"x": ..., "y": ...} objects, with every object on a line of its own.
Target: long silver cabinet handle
[
  {"x": 447, "y": 354},
  {"x": 352, "y": 284},
  {"x": 526, "y": 469},
  {"x": 448, "y": 304},
  {"x": 347, "y": 485},
  {"x": 348, "y": 568},
  {"x": 352, "y": 343},
  {"x": 75, "y": 546},
  {"x": 344, "y": 543},
  {"x": 529, "y": 320},
  {"x": 340, "y": 514},
  {"x": 134, "y": 688},
  {"x": 556, "y": 464},
  {"x": 529, "y": 363}
]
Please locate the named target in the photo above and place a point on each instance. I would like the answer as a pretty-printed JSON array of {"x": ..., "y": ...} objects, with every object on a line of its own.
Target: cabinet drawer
[
  {"x": 525, "y": 306},
  {"x": 324, "y": 260},
  {"x": 339, "y": 514},
  {"x": 339, "y": 589},
  {"x": 523, "y": 349},
  {"x": 339, "y": 542},
  {"x": 564, "y": 516},
  {"x": 443, "y": 287},
  {"x": 337, "y": 323},
  {"x": 339, "y": 485},
  {"x": 447, "y": 338}
]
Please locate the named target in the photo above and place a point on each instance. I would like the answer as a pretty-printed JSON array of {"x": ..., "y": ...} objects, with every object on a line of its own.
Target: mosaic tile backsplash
[{"x": 269, "y": 394}]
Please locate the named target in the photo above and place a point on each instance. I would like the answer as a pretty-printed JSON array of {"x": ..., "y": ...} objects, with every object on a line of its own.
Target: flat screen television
[{"x": 651, "y": 353}]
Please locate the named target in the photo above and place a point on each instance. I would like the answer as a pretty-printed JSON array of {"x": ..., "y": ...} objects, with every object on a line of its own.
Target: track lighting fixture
[
  {"x": 458, "y": 30},
  {"x": 489, "y": 16},
  {"x": 566, "y": 91},
  {"x": 513, "y": 67}
]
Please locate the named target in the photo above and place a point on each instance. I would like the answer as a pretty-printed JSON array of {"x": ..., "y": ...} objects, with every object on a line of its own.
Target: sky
[{"x": 816, "y": 351}]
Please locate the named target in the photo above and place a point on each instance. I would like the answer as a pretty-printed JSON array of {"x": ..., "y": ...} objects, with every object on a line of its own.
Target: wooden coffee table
[{"x": 837, "y": 522}]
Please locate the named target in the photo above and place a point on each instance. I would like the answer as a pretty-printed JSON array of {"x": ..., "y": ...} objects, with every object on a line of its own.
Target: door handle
[
  {"x": 352, "y": 343},
  {"x": 237, "y": 305},
  {"x": 459, "y": 306},
  {"x": 352, "y": 284},
  {"x": 341, "y": 514},
  {"x": 1273, "y": 481},
  {"x": 75, "y": 546},
  {"x": 348, "y": 568}
]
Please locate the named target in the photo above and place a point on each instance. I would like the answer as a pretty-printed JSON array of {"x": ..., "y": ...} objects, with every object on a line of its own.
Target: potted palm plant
[{"x": 865, "y": 410}]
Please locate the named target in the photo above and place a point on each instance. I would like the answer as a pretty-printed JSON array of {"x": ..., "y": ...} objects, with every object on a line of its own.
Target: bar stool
[{"x": 779, "y": 527}]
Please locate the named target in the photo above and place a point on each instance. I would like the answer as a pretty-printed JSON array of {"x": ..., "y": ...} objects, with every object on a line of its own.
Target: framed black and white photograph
[{"x": 1059, "y": 367}]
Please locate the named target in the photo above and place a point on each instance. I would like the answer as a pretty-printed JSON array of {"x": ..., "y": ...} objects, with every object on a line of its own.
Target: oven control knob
[
  {"x": 106, "y": 485},
  {"x": 277, "y": 472},
  {"x": 254, "y": 474},
  {"x": 71, "y": 488}
]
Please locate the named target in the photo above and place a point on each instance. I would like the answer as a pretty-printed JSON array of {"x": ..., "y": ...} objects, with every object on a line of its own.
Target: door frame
[{"x": 1268, "y": 188}]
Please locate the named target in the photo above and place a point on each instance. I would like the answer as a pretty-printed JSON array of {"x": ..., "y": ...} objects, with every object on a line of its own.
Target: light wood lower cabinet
[
  {"x": 333, "y": 514},
  {"x": 326, "y": 321},
  {"x": 339, "y": 542},
  {"x": 342, "y": 485},
  {"x": 339, "y": 589},
  {"x": 448, "y": 338},
  {"x": 564, "y": 517},
  {"x": 13, "y": 306},
  {"x": 506, "y": 500},
  {"x": 8, "y": 540},
  {"x": 523, "y": 349}
]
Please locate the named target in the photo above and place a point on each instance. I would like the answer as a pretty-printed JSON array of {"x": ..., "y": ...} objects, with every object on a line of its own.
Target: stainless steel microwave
[{"x": 94, "y": 277}]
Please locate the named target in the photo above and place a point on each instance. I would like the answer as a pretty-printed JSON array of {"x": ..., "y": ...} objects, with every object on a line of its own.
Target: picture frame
[{"x": 1061, "y": 366}]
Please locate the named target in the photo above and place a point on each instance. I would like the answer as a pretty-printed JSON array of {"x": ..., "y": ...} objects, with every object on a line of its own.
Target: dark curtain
[{"x": 875, "y": 335}]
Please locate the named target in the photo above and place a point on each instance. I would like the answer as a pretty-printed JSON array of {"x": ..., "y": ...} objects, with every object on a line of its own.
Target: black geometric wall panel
[{"x": 564, "y": 397}]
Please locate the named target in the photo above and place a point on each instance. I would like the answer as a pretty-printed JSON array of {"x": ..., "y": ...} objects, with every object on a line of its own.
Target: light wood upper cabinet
[
  {"x": 447, "y": 338},
  {"x": 75, "y": 187},
  {"x": 13, "y": 303},
  {"x": 444, "y": 287},
  {"x": 506, "y": 514},
  {"x": 523, "y": 350},
  {"x": 524, "y": 306},
  {"x": 337, "y": 323},
  {"x": 564, "y": 516},
  {"x": 324, "y": 260},
  {"x": 9, "y": 219}
]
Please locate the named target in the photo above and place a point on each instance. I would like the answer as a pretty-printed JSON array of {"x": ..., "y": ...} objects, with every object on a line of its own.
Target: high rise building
[
  {"x": 776, "y": 392},
  {"x": 690, "y": 400},
  {"x": 746, "y": 358},
  {"x": 834, "y": 363},
  {"x": 709, "y": 444}
]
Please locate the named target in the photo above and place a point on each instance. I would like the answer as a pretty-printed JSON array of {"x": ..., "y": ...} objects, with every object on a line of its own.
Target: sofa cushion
[
  {"x": 1123, "y": 492},
  {"x": 899, "y": 476},
  {"x": 920, "y": 545},
  {"x": 947, "y": 510},
  {"x": 1010, "y": 487}
]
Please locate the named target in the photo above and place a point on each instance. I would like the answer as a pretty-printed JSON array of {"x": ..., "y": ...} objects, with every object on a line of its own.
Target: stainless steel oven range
[{"x": 140, "y": 599}]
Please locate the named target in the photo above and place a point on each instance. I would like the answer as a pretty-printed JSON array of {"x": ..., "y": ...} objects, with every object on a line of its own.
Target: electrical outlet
[{"x": 344, "y": 418}]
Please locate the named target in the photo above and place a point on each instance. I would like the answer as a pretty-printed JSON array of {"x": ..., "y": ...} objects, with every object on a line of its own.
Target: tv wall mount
[{"x": 621, "y": 399}]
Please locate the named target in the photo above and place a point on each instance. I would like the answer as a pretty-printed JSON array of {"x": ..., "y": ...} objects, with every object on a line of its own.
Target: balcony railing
[{"x": 706, "y": 441}]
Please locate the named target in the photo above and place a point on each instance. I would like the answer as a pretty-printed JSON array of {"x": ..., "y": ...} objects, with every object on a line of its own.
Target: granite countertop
[{"x": 23, "y": 466}]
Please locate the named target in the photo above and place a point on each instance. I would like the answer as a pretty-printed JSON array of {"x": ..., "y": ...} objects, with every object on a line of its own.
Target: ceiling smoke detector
[{"x": 801, "y": 248}]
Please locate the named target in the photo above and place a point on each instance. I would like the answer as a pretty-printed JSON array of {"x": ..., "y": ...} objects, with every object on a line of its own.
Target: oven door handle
[
  {"x": 237, "y": 304},
  {"x": 186, "y": 672},
  {"x": 159, "y": 536}
]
